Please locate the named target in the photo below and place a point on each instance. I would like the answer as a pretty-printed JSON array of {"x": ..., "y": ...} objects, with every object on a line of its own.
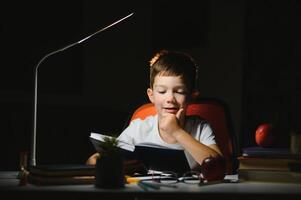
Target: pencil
[{"x": 132, "y": 180}]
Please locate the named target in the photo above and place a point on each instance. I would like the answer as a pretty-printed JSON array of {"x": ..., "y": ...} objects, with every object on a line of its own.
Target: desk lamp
[{"x": 34, "y": 132}]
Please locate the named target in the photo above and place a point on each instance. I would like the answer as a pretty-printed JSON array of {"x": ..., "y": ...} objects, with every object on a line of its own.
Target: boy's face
[{"x": 169, "y": 94}]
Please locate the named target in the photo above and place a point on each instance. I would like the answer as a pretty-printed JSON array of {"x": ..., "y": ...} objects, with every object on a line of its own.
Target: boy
[{"x": 172, "y": 86}]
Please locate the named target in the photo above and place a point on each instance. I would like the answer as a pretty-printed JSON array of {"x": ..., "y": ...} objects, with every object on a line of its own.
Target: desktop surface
[{"x": 241, "y": 190}]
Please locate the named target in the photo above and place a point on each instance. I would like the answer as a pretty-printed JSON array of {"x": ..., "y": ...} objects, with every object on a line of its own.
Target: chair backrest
[
  {"x": 144, "y": 111},
  {"x": 217, "y": 114}
]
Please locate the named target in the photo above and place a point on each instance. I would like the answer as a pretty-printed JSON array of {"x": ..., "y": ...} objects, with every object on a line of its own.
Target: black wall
[
  {"x": 247, "y": 52},
  {"x": 271, "y": 77}
]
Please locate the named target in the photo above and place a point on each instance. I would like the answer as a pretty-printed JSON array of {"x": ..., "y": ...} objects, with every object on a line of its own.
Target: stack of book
[
  {"x": 269, "y": 164},
  {"x": 61, "y": 174}
]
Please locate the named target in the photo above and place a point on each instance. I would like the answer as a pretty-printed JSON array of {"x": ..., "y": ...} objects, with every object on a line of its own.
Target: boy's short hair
[{"x": 174, "y": 63}]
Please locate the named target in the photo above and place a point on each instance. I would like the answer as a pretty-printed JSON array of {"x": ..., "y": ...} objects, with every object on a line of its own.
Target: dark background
[{"x": 248, "y": 52}]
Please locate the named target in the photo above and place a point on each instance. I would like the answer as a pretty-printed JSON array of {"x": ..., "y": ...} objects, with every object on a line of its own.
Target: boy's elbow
[{"x": 214, "y": 168}]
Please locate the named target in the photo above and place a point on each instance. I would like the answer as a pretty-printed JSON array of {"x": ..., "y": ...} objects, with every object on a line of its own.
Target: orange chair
[{"x": 217, "y": 114}]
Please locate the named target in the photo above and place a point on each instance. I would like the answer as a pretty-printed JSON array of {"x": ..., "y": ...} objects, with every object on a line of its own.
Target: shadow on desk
[{"x": 242, "y": 190}]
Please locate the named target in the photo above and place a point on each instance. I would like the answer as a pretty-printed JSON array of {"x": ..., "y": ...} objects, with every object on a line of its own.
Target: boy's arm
[
  {"x": 170, "y": 124},
  {"x": 197, "y": 150},
  {"x": 213, "y": 166}
]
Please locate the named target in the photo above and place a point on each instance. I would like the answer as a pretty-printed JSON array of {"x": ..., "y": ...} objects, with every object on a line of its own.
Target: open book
[{"x": 153, "y": 156}]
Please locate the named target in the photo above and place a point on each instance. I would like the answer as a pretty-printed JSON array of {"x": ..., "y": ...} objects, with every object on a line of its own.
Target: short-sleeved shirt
[{"x": 141, "y": 131}]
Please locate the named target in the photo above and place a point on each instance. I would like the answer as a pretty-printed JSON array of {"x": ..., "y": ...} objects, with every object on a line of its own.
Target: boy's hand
[
  {"x": 170, "y": 123},
  {"x": 180, "y": 115},
  {"x": 92, "y": 159}
]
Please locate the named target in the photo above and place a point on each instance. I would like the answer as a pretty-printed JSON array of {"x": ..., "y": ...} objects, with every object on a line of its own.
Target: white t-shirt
[{"x": 141, "y": 131}]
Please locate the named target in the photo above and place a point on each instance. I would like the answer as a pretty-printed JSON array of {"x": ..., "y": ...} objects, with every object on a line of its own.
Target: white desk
[{"x": 221, "y": 191}]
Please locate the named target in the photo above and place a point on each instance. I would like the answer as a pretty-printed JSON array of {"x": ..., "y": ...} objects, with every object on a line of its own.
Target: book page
[{"x": 100, "y": 137}]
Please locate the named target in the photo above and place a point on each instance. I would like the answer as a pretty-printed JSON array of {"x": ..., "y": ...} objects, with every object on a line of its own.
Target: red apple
[{"x": 264, "y": 135}]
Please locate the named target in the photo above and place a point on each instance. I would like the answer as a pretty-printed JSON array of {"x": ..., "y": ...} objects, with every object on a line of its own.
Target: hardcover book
[
  {"x": 62, "y": 170},
  {"x": 269, "y": 176},
  {"x": 264, "y": 163},
  {"x": 60, "y": 174},
  {"x": 60, "y": 180},
  {"x": 269, "y": 165},
  {"x": 270, "y": 152}
]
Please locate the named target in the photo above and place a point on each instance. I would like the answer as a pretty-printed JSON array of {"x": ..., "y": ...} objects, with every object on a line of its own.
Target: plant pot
[{"x": 109, "y": 171}]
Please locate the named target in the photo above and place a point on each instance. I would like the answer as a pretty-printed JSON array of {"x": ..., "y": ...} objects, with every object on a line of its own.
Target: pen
[
  {"x": 150, "y": 185},
  {"x": 144, "y": 187},
  {"x": 162, "y": 184}
]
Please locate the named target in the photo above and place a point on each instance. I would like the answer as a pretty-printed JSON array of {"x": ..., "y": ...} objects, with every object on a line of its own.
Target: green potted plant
[{"x": 109, "y": 172}]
